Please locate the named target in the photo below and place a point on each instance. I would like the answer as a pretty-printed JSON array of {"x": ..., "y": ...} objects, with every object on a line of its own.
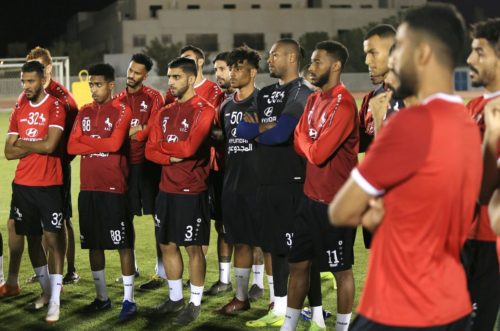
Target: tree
[
  {"x": 79, "y": 58},
  {"x": 353, "y": 40},
  {"x": 309, "y": 40},
  {"x": 162, "y": 54}
]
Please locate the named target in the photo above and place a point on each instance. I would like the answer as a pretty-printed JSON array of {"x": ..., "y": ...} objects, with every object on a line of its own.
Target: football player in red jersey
[
  {"x": 327, "y": 136},
  {"x": 35, "y": 131},
  {"x": 376, "y": 45},
  {"x": 491, "y": 157},
  {"x": 58, "y": 90},
  {"x": 428, "y": 174},
  {"x": 144, "y": 176},
  {"x": 215, "y": 179},
  {"x": 179, "y": 141},
  {"x": 16, "y": 242},
  {"x": 480, "y": 254},
  {"x": 203, "y": 87},
  {"x": 99, "y": 136}
]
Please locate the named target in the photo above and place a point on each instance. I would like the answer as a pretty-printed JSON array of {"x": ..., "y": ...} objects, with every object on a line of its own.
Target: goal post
[{"x": 10, "y": 69}]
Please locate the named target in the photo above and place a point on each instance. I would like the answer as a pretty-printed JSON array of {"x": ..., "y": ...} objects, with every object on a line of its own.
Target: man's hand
[
  {"x": 251, "y": 118},
  {"x": 492, "y": 117},
  {"x": 133, "y": 130},
  {"x": 378, "y": 106},
  {"x": 266, "y": 126},
  {"x": 217, "y": 134},
  {"x": 174, "y": 159},
  {"x": 372, "y": 218}
]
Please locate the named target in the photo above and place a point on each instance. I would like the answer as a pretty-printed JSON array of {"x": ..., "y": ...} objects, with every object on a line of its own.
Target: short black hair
[
  {"x": 221, "y": 57},
  {"x": 143, "y": 59},
  {"x": 445, "y": 24},
  {"x": 381, "y": 30},
  {"x": 335, "y": 49},
  {"x": 187, "y": 65},
  {"x": 295, "y": 44},
  {"x": 196, "y": 50},
  {"x": 103, "y": 69},
  {"x": 392, "y": 48},
  {"x": 489, "y": 30},
  {"x": 242, "y": 53},
  {"x": 34, "y": 66}
]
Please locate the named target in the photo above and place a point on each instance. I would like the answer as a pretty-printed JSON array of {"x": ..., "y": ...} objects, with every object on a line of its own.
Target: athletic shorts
[
  {"x": 105, "y": 221},
  {"x": 240, "y": 218},
  {"x": 481, "y": 267},
  {"x": 277, "y": 206},
  {"x": 361, "y": 323},
  {"x": 182, "y": 219},
  {"x": 35, "y": 209},
  {"x": 143, "y": 183},
  {"x": 215, "y": 182},
  {"x": 314, "y": 238},
  {"x": 66, "y": 193}
]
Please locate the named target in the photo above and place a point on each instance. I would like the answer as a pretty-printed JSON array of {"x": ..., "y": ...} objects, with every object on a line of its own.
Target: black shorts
[
  {"x": 66, "y": 193},
  {"x": 481, "y": 267},
  {"x": 182, "y": 219},
  {"x": 361, "y": 323},
  {"x": 215, "y": 182},
  {"x": 35, "y": 209},
  {"x": 143, "y": 183},
  {"x": 314, "y": 238},
  {"x": 277, "y": 206},
  {"x": 105, "y": 221},
  {"x": 240, "y": 218}
]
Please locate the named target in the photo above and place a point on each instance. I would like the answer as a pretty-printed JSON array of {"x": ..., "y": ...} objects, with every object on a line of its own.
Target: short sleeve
[
  {"x": 57, "y": 115},
  {"x": 13, "y": 128},
  {"x": 397, "y": 153}
]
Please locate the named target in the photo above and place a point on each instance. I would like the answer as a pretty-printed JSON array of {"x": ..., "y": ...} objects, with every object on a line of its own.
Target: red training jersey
[
  {"x": 66, "y": 99},
  {"x": 327, "y": 135},
  {"x": 366, "y": 124},
  {"x": 206, "y": 89},
  {"x": 181, "y": 130},
  {"x": 481, "y": 228},
  {"x": 144, "y": 103},
  {"x": 31, "y": 122},
  {"x": 427, "y": 162},
  {"x": 98, "y": 135},
  {"x": 218, "y": 147}
]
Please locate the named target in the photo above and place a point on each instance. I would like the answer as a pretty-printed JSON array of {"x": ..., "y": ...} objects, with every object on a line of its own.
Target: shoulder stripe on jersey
[
  {"x": 13, "y": 133},
  {"x": 364, "y": 184}
]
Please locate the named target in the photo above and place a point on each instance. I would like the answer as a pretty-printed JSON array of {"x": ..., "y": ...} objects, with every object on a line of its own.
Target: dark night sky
[{"x": 39, "y": 22}]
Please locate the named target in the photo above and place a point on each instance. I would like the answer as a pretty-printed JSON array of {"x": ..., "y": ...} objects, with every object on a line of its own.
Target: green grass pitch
[{"x": 13, "y": 316}]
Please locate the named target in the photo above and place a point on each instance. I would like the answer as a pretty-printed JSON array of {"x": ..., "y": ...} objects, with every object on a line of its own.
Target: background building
[{"x": 127, "y": 26}]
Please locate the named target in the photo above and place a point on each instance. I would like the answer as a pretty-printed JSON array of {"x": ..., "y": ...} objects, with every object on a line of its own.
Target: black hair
[
  {"x": 445, "y": 24},
  {"x": 196, "y": 50},
  {"x": 221, "y": 57},
  {"x": 242, "y": 53},
  {"x": 143, "y": 59},
  {"x": 187, "y": 65},
  {"x": 295, "y": 44},
  {"x": 381, "y": 30},
  {"x": 34, "y": 66},
  {"x": 391, "y": 50},
  {"x": 103, "y": 69},
  {"x": 335, "y": 49},
  {"x": 489, "y": 30}
]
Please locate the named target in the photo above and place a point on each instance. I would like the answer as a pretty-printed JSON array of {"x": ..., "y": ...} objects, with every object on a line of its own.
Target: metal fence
[{"x": 355, "y": 82}]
